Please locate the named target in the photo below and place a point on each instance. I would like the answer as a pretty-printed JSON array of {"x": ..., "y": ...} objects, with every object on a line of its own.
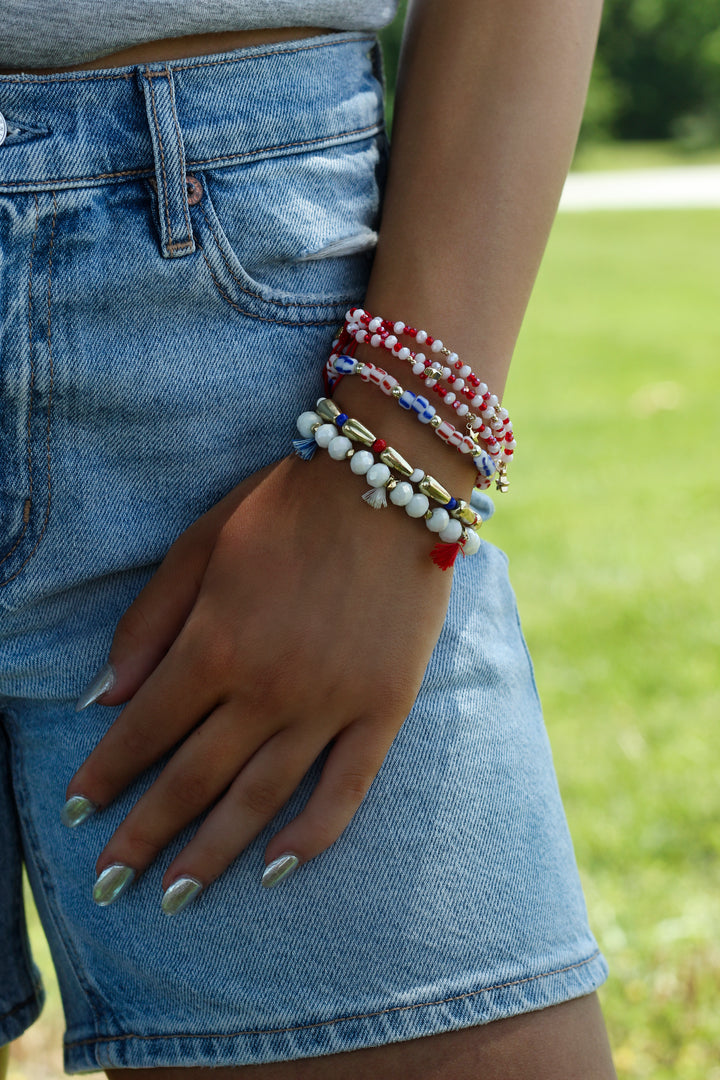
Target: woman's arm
[
  {"x": 290, "y": 617},
  {"x": 489, "y": 101}
]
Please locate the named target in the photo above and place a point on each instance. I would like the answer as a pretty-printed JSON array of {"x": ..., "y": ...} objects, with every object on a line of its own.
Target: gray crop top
[{"x": 59, "y": 33}]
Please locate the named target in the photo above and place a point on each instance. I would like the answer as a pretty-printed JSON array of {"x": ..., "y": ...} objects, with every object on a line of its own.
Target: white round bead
[
  {"x": 418, "y": 367},
  {"x": 436, "y": 345},
  {"x": 472, "y": 544},
  {"x": 361, "y": 461},
  {"x": 439, "y": 520},
  {"x": 446, "y": 372},
  {"x": 305, "y": 422},
  {"x": 404, "y": 353},
  {"x": 421, "y": 337},
  {"x": 325, "y": 434},
  {"x": 453, "y": 358},
  {"x": 463, "y": 409},
  {"x": 417, "y": 476},
  {"x": 482, "y": 388},
  {"x": 398, "y": 327},
  {"x": 374, "y": 324},
  {"x": 375, "y": 340},
  {"x": 418, "y": 506},
  {"x": 401, "y": 494},
  {"x": 459, "y": 384},
  {"x": 360, "y": 336},
  {"x": 464, "y": 371},
  {"x": 378, "y": 475},
  {"x": 452, "y": 533},
  {"x": 421, "y": 356},
  {"x": 449, "y": 398},
  {"x": 390, "y": 340},
  {"x": 338, "y": 447}
]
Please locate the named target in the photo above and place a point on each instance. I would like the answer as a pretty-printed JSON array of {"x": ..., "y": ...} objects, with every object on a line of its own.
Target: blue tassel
[{"x": 305, "y": 448}]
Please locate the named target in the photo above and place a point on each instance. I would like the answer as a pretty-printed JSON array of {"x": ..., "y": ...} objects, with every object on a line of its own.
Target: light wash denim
[{"x": 170, "y": 235}]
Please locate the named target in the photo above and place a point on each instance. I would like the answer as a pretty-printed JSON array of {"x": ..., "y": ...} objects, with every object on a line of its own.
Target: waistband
[{"x": 108, "y": 125}]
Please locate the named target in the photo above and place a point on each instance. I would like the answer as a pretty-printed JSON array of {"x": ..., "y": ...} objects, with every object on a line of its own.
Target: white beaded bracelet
[{"x": 454, "y": 521}]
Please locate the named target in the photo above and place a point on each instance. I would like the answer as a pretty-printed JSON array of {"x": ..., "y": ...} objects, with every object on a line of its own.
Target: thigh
[{"x": 559, "y": 1043}]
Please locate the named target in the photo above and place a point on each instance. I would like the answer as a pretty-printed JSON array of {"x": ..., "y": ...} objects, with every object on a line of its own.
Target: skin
[
  {"x": 468, "y": 209},
  {"x": 4, "y": 1060}
]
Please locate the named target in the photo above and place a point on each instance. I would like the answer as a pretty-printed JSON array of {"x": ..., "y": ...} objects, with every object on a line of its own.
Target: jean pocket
[{"x": 291, "y": 239}]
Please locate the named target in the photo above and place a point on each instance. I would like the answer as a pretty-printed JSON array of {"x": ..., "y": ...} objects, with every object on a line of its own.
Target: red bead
[
  {"x": 410, "y": 330},
  {"x": 473, "y": 380},
  {"x": 397, "y": 347},
  {"x": 457, "y": 365},
  {"x": 429, "y": 340},
  {"x": 378, "y": 446}
]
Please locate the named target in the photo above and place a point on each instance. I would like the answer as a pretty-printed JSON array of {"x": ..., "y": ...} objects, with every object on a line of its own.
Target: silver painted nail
[
  {"x": 179, "y": 894},
  {"x": 279, "y": 869},
  {"x": 76, "y": 810},
  {"x": 99, "y": 684},
  {"x": 113, "y": 880}
]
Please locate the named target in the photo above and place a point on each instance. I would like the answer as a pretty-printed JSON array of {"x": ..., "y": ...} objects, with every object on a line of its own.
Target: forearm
[{"x": 489, "y": 103}]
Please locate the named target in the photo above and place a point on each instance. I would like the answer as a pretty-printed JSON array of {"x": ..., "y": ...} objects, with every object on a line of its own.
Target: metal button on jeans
[{"x": 3, "y": 129}]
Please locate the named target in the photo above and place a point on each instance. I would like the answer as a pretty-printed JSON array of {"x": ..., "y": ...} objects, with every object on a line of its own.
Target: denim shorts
[{"x": 169, "y": 233}]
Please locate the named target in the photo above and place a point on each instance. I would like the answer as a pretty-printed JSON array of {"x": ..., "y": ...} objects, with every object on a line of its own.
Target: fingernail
[
  {"x": 279, "y": 869},
  {"x": 100, "y": 683},
  {"x": 113, "y": 880},
  {"x": 179, "y": 894},
  {"x": 76, "y": 809}
]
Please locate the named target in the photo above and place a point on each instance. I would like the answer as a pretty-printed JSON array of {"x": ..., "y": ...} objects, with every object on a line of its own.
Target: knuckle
[
  {"x": 133, "y": 629},
  {"x": 137, "y": 743},
  {"x": 189, "y": 790},
  {"x": 353, "y": 783},
  {"x": 261, "y": 798},
  {"x": 141, "y": 847}
]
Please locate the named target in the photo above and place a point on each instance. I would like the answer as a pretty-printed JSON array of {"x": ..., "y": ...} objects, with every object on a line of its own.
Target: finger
[
  {"x": 184, "y": 687},
  {"x": 256, "y": 795},
  {"x": 352, "y": 764},
  {"x": 197, "y": 774},
  {"x": 151, "y": 623}
]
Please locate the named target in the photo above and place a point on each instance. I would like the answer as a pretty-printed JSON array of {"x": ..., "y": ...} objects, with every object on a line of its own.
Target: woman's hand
[{"x": 288, "y": 617}]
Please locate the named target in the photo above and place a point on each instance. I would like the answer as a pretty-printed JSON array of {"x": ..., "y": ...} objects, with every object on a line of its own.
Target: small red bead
[
  {"x": 378, "y": 446},
  {"x": 397, "y": 347},
  {"x": 410, "y": 330},
  {"x": 473, "y": 380},
  {"x": 457, "y": 365},
  {"x": 429, "y": 340}
]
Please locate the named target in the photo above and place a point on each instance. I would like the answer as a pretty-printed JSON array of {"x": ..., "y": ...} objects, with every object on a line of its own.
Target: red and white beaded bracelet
[{"x": 485, "y": 462}]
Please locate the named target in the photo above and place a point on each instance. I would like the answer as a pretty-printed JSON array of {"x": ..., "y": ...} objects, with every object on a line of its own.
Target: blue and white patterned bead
[
  {"x": 407, "y": 399},
  {"x": 484, "y": 464},
  {"x": 345, "y": 365},
  {"x": 425, "y": 411}
]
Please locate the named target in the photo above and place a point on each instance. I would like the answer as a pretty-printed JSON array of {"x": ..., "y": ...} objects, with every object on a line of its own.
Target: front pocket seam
[
  {"x": 259, "y": 296},
  {"x": 251, "y": 315}
]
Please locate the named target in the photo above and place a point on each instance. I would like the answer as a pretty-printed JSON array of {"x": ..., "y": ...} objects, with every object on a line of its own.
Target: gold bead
[
  {"x": 358, "y": 432},
  {"x": 436, "y": 421},
  {"x": 464, "y": 512},
  {"x": 392, "y": 483},
  {"x": 350, "y": 453},
  {"x": 327, "y": 409},
  {"x": 393, "y": 460},
  {"x": 397, "y": 391},
  {"x": 434, "y": 490}
]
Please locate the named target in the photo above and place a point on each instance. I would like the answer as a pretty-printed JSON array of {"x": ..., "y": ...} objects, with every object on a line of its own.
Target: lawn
[{"x": 612, "y": 525}]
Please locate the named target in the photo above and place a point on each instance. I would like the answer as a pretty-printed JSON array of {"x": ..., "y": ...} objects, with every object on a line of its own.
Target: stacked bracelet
[
  {"x": 489, "y": 422},
  {"x": 420, "y": 406},
  {"x": 454, "y": 520}
]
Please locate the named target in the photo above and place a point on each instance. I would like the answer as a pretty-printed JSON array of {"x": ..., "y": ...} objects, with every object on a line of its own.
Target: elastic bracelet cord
[
  {"x": 484, "y": 461},
  {"x": 453, "y": 520}
]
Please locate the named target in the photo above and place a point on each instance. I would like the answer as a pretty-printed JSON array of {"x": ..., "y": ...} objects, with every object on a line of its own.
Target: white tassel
[{"x": 376, "y": 498}]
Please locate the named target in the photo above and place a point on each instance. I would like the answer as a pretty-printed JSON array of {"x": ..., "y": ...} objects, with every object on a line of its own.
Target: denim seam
[
  {"x": 248, "y": 292},
  {"x": 262, "y": 318},
  {"x": 37, "y": 987},
  {"x": 181, "y": 156},
  {"x": 371, "y": 129},
  {"x": 28, "y": 502},
  {"x": 45, "y": 877},
  {"x": 340, "y": 1019},
  {"x": 71, "y": 76},
  {"x": 49, "y": 405}
]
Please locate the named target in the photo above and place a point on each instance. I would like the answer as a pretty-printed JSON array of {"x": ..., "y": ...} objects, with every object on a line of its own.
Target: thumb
[{"x": 156, "y": 616}]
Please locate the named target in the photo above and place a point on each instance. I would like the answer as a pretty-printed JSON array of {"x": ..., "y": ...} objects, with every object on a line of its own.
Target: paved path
[{"x": 636, "y": 189}]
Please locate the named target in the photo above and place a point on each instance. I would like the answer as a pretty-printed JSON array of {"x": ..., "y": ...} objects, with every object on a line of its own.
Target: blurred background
[{"x": 612, "y": 530}]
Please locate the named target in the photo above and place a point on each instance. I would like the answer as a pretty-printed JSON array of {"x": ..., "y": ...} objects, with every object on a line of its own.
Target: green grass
[
  {"x": 612, "y": 528},
  {"x": 640, "y": 155}
]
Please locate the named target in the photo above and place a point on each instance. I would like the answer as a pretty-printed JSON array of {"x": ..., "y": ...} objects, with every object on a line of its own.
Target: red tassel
[{"x": 444, "y": 555}]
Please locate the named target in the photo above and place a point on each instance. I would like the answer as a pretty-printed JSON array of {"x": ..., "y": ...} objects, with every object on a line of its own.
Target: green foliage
[{"x": 656, "y": 73}]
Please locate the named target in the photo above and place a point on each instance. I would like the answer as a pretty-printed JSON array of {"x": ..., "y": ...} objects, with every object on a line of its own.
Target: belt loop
[{"x": 176, "y": 235}]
